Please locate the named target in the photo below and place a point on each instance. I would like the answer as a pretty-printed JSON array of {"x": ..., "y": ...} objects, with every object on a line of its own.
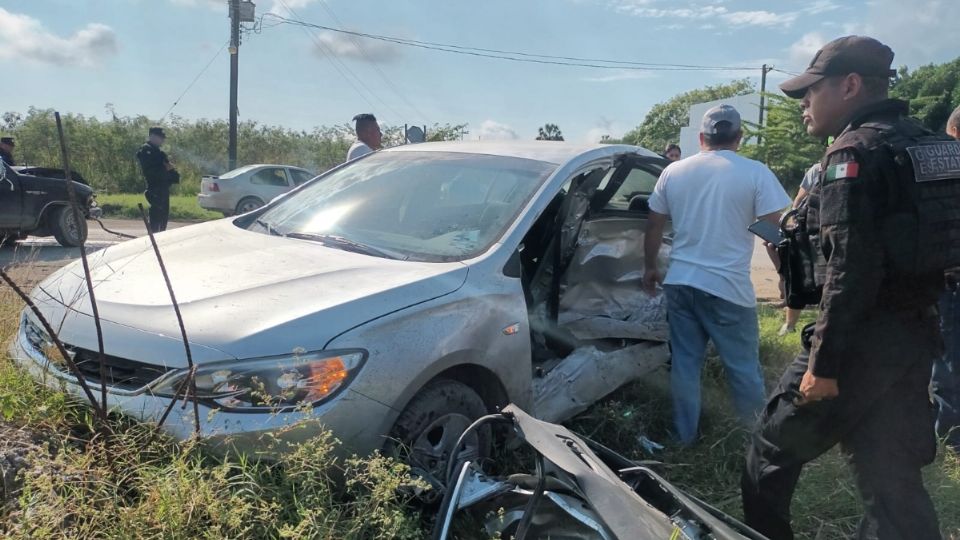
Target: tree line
[{"x": 103, "y": 150}]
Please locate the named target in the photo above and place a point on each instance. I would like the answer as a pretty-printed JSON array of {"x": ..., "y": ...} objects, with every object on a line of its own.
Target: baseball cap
[
  {"x": 7, "y": 140},
  {"x": 718, "y": 115},
  {"x": 850, "y": 54},
  {"x": 158, "y": 131}
]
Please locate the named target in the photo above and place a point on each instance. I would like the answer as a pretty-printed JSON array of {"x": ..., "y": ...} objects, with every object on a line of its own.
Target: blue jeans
[
  {"x": 945, "y": 382},
  {"x": 695, "y": 317}
]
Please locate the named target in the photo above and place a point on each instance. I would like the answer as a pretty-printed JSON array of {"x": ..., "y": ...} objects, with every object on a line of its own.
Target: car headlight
[{"x": 274, "y": 383}]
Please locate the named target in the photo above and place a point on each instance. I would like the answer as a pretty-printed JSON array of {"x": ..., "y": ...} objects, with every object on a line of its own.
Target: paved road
[
  {"x": 32, "y": 259},
  {"x": 765, "y": 277}
]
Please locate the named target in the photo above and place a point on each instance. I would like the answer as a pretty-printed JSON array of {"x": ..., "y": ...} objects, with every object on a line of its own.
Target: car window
[
  {"x": 426, "y": 206},
  {"x": 639, "y": 182},
  {"x": 270, "y": 176},
  {"x": 237, "y": 172},
  {"x": 299, "y": 177}
]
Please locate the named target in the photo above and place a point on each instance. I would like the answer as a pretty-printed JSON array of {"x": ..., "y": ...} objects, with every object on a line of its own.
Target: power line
[
  {"x": 517, "y": 56},
  {"x": 194, "y": 81},
  {"x": 785, "y": 72},
  {"x": 326, "y": 7},
  {"x": 339, "y": 66}
]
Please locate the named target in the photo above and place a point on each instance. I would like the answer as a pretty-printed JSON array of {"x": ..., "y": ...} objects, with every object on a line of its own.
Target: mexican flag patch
[{"x": 840, "y": 171}]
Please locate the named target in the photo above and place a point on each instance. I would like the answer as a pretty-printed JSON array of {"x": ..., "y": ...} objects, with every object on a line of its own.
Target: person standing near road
[
  {"x": 712, "y": 198},
  {"x": 369, "y": 136},
  {"x": 862, "y": 378},
  {"x": 6, "y": 150},
  {"x": 945, "y": 382},
  {"x": 672, "y": 152},
  {"x": 158, "y": 173}
]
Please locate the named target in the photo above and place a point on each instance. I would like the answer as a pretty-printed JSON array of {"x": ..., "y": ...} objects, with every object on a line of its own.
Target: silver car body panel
[
  {"x": 233, "y": 190},
  {"x": 247, "y": 295}
]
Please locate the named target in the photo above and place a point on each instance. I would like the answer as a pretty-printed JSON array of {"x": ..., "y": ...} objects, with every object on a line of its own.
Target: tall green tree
[
  {"x": 550, "y": 132},
  {"x": 662, "y": 124},
  {"x": 933, "y": 92},
  {"x": 784, "y": 145},
  {"x": 447, "y": 132}
]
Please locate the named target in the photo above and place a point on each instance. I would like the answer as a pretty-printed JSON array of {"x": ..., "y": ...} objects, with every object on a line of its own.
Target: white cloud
[
  {"x": 697, "y": 12},
  {"x": 713, "y": 11},
  {"x": 24, "y": 38},
  {"x": 820, "y": 6},
  {"x": 284, "y": 7},
  {"x": 356, "y": 48},
  {"x": 918, "y": 34},
  {"x": 622, "y": 75},
  {"x": 492, "y": 130},
  {"x": 760, "y": 18},
  {"x": 801, "y": 52},
  {"x": 700, "y": 12},
  {"x": 208, "y": 3},
  {"x": 605, "y": 127}
]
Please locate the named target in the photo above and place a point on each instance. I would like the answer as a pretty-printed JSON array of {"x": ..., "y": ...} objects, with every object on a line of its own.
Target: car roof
[
  {"x": 252, "y": 165},
  {"x": 556, "y": 152}
]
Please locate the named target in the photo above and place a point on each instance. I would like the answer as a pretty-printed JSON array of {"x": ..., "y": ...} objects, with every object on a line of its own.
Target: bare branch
[{"x": 192, "y": 392}]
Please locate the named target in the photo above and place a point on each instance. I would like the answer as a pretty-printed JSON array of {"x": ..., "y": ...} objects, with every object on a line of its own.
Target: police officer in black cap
[
  {"x": 6, "y": 150},
  {"x": 159, "y": 175},
  {"x": 861, "y": 379}
]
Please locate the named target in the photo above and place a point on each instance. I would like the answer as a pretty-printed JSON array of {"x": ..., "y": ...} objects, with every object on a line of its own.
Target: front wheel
[
  {"x": 248, "y": 204},
  {"x": 68, "y": 231},
  {"x": 426, "y": 433}
]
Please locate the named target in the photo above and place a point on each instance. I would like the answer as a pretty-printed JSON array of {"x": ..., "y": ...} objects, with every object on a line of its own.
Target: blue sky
[{"x": 139, "y": 55}]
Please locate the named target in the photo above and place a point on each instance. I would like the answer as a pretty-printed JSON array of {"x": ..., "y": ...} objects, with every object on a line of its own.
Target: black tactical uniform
[
  {"x": 153, "y": 163},
  {"x": 876, "y": 334},
  {"x": 5, "y": 155}
]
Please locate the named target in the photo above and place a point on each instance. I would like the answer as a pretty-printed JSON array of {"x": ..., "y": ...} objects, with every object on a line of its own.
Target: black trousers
[
  {"x": 159, "y": 200},
  {"x": 882, "y": 419}
]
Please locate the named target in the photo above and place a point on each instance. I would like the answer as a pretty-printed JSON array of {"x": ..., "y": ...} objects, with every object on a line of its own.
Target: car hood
[{"x": 244, "y": 293}]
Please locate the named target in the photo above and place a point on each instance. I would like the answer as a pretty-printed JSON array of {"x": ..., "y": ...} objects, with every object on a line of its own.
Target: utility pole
[
  {"x": 234, "y": 68},
  {"x": 763, "y": 92}
]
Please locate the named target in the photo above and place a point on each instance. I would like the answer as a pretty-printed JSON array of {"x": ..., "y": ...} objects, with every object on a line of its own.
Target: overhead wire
[
  {"x": 516, "y": 56},
  {"x": 363, "y": 52},
  {"x": 339, "y": 66},
  {"x": 194, "y": 81},
  {"x": 785, "y": 72}
]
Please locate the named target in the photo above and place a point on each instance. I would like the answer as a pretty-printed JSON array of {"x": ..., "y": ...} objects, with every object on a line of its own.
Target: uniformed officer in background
[
  {"x": 861, "y": 380},
  {"x": 158, "y": 173},
  {"x": 6, "y": 150}
]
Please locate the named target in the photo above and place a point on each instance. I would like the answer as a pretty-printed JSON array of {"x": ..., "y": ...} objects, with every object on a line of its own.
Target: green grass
[
  {"x": 182, "y": 207},
  {"x": 825, "y": 505},
  {"x": 84, "y": 484},
  {"x": 168, "y": 490}
]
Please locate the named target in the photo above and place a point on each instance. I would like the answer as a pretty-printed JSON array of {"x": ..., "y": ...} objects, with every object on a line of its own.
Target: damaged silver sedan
[{"x": 392, "y": 300}]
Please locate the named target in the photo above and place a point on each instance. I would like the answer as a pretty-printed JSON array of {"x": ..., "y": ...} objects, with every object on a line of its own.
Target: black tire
[
  {"x": 66, "y": 229},
  {"x": 428, "y": 428},
  {"x": 248, "y": 204}
]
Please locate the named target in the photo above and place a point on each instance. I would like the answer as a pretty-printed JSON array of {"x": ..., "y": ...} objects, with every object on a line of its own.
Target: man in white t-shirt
[
  {"x": 712, "y": 198},
  {"x": 369, "y": 136}
]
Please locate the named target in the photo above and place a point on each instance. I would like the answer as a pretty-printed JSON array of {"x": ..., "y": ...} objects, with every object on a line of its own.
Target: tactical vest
[
  {"x": 922, "y": 222},
  {"x": 919, "y": 221}
]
